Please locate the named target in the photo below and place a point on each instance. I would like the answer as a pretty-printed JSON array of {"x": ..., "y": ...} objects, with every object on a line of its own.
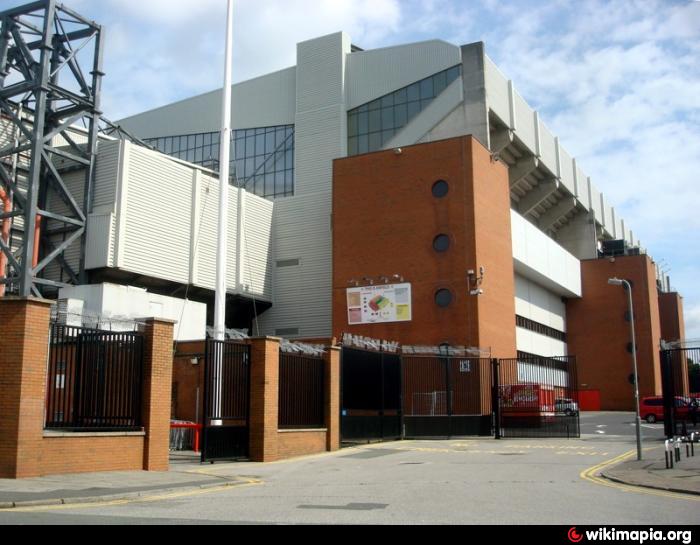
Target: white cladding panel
[
  {"x": 540, "y": 258},
  {"x": 99, "y": 253},
  {"x": 107, "y": 172},
  {"x": 302, "y": 293},
  {"x": 567, "y": 170},
  {"x": 257, "y": 245},
  {"x": 540, "y": 345},
  {"x": 548, "y": 149},
  {"x": 156, "y": 240},
  {"x": 537, "y": 303},
  {"x": 261, "y": 102},
  {"x": 318, "y": 141},
  {"x": 582, "y": 191},
  {"x": 525, "y": 123},
  {"x": 497, "y": 95},
  {"x": 375, "y": 73},
  {"x": 595, "y": 203},
  {"x": 607, "y": 214}
]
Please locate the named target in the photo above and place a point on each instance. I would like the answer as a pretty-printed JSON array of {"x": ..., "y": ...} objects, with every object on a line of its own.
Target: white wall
[
  {"x": 128, "y": 302},
  {"x": 541, "y": 259}
]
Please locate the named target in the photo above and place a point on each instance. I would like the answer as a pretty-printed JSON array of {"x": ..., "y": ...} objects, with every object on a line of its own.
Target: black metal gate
[
  {"x": 226, "y": 401},
  {"x": 371, "y": 395},
  {"x": 536, "y": 397},
  {"x": 679, "y": 410},
  {"x": 446, "y": 396}
]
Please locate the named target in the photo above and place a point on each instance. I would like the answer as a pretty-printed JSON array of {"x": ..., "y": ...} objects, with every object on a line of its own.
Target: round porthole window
[
  {"x": 443, "y": 298},
  {"x": 440, "y": 189},
  {"x": 441, "y": 243}
]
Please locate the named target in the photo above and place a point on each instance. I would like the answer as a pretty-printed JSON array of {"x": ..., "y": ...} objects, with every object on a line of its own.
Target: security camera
[{"x": 477, "y": 292}]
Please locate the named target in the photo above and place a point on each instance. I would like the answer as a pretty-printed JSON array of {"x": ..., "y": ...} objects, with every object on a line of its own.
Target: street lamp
[{"x": 628, "y": 288}]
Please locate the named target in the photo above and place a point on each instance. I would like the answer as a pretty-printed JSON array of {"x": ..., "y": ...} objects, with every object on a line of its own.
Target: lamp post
[{"x": 638, "y": 422}]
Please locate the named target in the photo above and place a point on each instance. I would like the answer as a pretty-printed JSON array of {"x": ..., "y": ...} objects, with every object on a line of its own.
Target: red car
[{"x": 651, "y": 408}]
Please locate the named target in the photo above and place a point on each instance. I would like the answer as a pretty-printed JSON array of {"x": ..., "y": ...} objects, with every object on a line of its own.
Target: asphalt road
[{"x": 415, "y": 482}]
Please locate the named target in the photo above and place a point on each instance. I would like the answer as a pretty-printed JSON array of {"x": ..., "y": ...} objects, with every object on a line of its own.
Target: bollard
[
  {"x": 668, "y": 454},
  {"x": 677, "y": 449}
]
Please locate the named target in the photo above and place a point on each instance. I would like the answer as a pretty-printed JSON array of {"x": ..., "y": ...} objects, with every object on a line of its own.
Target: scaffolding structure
[{"x": 50, "y": 82}]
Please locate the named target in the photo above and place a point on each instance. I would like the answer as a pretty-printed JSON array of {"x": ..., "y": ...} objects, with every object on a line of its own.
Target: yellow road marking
[
  {"x": 144, "y": 499},
  {"x": 591, "y": 475}
]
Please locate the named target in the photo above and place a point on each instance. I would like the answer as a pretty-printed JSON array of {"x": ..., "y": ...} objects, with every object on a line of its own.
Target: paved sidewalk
[
  {"x": 652, "y": 472},
  {"x": 110, "y": 486}
]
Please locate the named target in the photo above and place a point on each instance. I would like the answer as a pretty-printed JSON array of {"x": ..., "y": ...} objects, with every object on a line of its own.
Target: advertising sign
[{"x": 379, "y": 304}]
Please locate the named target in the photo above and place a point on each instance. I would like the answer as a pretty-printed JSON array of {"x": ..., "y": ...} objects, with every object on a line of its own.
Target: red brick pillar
[
  {"x": 264, "y": 399},
  {"x": 332, "y": 377},
  {"x": 24, "y": 342},
  {"x": 157, "y": 391}
]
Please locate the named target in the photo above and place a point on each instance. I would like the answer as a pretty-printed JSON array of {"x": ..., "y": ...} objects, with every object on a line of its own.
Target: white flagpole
[{"x": 222, "y": 248}]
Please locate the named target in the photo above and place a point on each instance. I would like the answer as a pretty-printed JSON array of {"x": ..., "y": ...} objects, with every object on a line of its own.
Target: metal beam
[
  {"x": 522, "y": 168},
  {"x": 558, "y": 211},
  {"x": 537, "y": 196}
]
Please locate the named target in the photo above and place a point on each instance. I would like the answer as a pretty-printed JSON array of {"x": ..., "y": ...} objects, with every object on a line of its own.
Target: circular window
[
  {"x": 440, "y": 189},
  {"x": 443, "y": 298},
  {"x": 441, "y": 243}
]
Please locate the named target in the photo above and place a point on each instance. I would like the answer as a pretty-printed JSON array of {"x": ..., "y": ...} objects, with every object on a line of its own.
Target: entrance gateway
[{"x": 390, "y": 393}]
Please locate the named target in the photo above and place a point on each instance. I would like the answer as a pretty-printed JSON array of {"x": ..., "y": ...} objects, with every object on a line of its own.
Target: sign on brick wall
[{"x": 379, "y": 304}]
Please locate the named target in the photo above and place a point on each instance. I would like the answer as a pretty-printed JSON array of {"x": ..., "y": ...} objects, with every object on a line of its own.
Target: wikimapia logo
[{"x": 635, "y": 536}]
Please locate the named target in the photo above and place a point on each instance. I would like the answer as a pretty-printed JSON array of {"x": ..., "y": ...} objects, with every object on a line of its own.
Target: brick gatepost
[
  {"x": 24, "y": 341},
  {"x": 332, "y": 377},
  {"x": 264, "y": 399},
  {"x": 157, "y": 392}
]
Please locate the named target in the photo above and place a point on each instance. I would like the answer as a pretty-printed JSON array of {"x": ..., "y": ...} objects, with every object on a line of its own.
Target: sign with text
[{"x": 379, "y": 304}]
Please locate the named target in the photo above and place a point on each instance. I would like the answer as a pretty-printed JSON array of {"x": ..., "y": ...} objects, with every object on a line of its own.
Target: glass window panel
[
  {"x": 199, "y": 140},
  {"x": 453, "y": 74},
  {"x": 413, "y": 92},
  {"x": 259, "y": 131},
  {"x": 425, "y": 103},
  {"x": 239, "y": 149},
  {"x": 375, "y": 141},
  {"x": 198, "y": 155},
  {"x": 183, "y": 143},
  {"x": 440, "y": 82},
  {"x": 168, "y": 145},
  {"x": 279, "y": 137},
  {"x": 289, "y": 130},
  {"x": 289, "y": 158},
  {"x": 400, "y": 96},
  {"x": 190, "y": 142},
  {"x": 190, "y": 155},
  {"x": 240, "y": 168},
  {"x": 207, "y": 139},
  {"x": 174, "y": 145},
  {"x": 279, "y": 183},
  {"x": 386, "y": 136},
  {"x": 363, "y": 143},
  {"x": 249, "y": 168},
  {"x": 269, "y": 184},
  {"x": 387, "y": 101},
  {"x": 387, "y": 118},
  {"x": 375, "y": 105},
  {"x": 352, "y": 124},
  {"x": 363, "y": 108},
  {"x": 269, "y": 142},
  {"x": 289, "y": 182},
  {"x": 375, "y": 121},
  {"x": 250, "y": 146},
  {"x": 260, "y": 144},
  {"x": 215, "y": 138},
  {"x": 413, "y": 110},
  {"x": 427, "y": 90},
  {"x": 400, "y": 116},
  {"x": 362, "y": 123},
  {"x": 259, "y": 161},
  {"x": 352, "y": 145}
]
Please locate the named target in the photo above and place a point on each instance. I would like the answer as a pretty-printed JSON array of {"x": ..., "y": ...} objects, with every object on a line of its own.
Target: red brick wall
[
  {"x": 598, "y": 332},
  {"x": 291, "y": 444},
  {"x": 385, "y": 219},
  {"x": 25, "y": 451},
  {"x": 671, "y": 316}
]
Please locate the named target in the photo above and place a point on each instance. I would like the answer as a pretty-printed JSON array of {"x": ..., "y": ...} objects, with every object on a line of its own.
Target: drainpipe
[
  {"x": 37, "y": 240},
  {"x": 5, "y": 234}
]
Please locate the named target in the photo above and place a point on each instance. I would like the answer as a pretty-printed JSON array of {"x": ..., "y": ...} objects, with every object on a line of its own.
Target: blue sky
[{"x": 618, "y": 81}]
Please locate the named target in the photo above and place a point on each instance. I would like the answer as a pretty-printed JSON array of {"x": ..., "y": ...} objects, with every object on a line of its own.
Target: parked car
[
  {"x": 652, "y": 408},
  {"x": 565, "y": 405}
]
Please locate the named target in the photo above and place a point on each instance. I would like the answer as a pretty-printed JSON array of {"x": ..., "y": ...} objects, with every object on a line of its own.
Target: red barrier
[
  {"x": 187, "y": 426},
  {"x": 589, "y": 400}
]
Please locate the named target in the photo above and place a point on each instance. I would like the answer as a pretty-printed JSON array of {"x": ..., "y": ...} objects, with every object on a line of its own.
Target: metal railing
[
  {"x": 302, "y": 391},
  {"x": 94, "y": 380}
]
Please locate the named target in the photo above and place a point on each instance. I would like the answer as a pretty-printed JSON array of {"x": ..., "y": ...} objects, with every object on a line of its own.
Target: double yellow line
[{"x": 592, "y": 475}]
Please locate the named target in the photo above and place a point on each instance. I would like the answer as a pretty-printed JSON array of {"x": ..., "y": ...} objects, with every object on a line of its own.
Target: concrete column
[
  {"x": 264, "y": 399},
  {"x": 157, "y": 392},
  {"x": 24, "y": 342},
  {"x": 332, "y": 378}
]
